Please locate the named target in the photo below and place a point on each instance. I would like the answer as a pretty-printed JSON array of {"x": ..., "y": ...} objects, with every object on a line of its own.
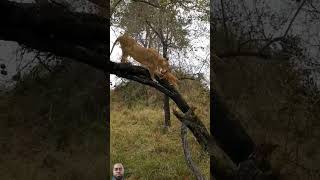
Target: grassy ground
[
  {"x": 27, "y": 157},
  {"x": 51, "y": 129},
  {"x": 147, "y": 152}
]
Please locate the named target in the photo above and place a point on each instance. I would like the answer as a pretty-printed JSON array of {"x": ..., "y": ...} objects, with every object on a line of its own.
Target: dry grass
[
  {"x": 51, "y": 129},
  {"x": 138, "y": 140},
  {"x": 45, "y": 162}
]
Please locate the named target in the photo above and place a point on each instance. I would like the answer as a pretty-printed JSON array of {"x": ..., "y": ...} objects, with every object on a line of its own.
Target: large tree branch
[
  {"x": 25, "y": 31},
  {"x": 224, "y": 168},
  {"x": 187, "y": 154},
  {"x": 99, "y": 61},
  {"x": 235, "y": 137},
  {"x": 76, "y": 36},
  {"x": 101, "y": 3},
  {"x": 51, "y": 22}
]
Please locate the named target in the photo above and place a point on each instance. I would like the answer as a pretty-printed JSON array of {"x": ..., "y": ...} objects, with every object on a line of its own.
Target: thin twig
[
  {"x": 224, "y": 22},
  {"x": 146, "y": 2},
  {"x": 114, "y": 7},
  {"x": 160, "y": 36},
  {"x": 287, "y": 30},
  {"x": 294, "y": 17}
]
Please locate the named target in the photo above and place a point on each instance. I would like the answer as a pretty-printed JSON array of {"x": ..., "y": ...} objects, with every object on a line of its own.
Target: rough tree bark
[
  {"x": 166, "y": 105},
  {"x": 229, "y": 133},
  {"x": 83, "y": 38},
  {"x": 187, "y": 154}
]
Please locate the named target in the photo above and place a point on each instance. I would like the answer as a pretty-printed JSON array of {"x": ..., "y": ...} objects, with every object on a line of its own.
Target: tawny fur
[
  {"x": 148, "y": 57},
  {"x": 172, "y": 79}
]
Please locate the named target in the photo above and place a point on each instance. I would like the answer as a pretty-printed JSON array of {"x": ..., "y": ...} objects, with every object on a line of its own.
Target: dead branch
[
  {"x": 187, "y": 154},
  {"x": 76, "y": 36},
  {"x": 287, "y": 30},
  {"x": 147, "y": 2}
]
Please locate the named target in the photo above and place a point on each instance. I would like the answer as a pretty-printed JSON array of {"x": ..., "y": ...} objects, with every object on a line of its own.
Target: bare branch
[
  {"x": 251, "y": 40},
  {"x": 187, "y": 154},
  {"x": 287, "y": 30},
  {"x": 159, "y": 34},
  {"x": 293, "y": 18},
  {"x": 73, "y": 39},
  {"x": 147, "y": 2},
  {"x": 224, "y": 22},
  {"x": 315, "y": 9},
  {"x": 238, "y": 54},
  {"x": 101, "y": 3},
  {"x": 114, "y": 6},
  {"x": 191, "y": 120}
]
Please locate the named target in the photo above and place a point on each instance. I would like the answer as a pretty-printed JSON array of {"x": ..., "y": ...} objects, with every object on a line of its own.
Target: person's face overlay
[{"x": 118, "y": 171}]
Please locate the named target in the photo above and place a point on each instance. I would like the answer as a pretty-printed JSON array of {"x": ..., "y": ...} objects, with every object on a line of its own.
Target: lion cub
[{"x": 148, "y": 57}]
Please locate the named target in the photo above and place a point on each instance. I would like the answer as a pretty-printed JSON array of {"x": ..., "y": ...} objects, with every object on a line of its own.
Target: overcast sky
[
  {"x": 8, "y": 49},
  {"x": 199, "y": 34}
]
